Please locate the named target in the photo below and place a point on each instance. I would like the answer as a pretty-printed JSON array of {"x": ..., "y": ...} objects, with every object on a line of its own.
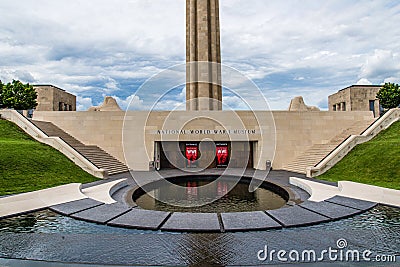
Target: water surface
[
  {"x": 48, "y": 236},
  {"x": 205, "y": 196}
]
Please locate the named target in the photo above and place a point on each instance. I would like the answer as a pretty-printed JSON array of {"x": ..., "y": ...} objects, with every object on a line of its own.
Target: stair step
[
  {"x": 318, "y": 152},
  {"x": 106, "y": 160},
  {"x": 98, "y": 154},
  {"x": 109, "y": 161},
  {"x": 110, "y": 165},
  {"x": 308, "y": 160},
  {"x": 116, "y": 168},
  {"x": 94, "y": 154},
  {"x": 116, "y": 171}
]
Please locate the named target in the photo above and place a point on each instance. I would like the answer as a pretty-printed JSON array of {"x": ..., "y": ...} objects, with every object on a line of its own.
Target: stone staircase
[
  {"x": 94, "y": 154},
  {"x": 318, "y": 152}
]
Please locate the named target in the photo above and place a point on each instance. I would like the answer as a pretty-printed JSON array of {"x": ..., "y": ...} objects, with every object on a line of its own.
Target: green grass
[
  {"x": 376, "y": 162},
  {"x": 27, "y": 165}
]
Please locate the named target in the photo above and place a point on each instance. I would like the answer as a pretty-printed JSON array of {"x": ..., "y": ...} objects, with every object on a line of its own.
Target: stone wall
[
  {"x": 355, "y": 98},
  {"x": 49, "y": 98},
  {"x": 360, "y": 99},
  {"x": 336, "y": 101},
  {"x": 295, "y": 131}
]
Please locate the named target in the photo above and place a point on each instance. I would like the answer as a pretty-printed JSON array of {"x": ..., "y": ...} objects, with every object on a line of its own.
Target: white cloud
[
  {"x": 182, "y": 94},
  {"x": 312, "y": 97},
  {"x": 364, "y": 82},
  {"x": 392, "y": 80},
  {"x": 7, "y": 75},
  {"x": 381, "y": 64},
  {"x": 132, "y": 102},
  {"x": 83, "y": 103},
  {"x": 169, "y": 104},
  {"x": 234, "y": 103},
  {"x": 95, "y": 48},
  {"x": 111, "y": 85},
  {"x": 335, "y": 37}
]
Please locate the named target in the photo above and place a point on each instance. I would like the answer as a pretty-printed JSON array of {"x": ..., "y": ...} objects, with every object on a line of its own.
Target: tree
[
  {"x": 1, "y": 90},
  {"x": 389, "y": 96},
  {"x": 18, "y": 96}
]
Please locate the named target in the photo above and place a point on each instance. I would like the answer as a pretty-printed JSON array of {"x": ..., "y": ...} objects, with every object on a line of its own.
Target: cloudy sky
[{"x": 98, "y": 48}]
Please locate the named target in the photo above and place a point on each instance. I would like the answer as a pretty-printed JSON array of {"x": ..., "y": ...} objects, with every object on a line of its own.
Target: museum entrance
[{"x": 204, "y": 155}]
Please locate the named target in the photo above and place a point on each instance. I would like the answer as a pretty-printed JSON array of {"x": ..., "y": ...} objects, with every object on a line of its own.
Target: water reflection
[
  {"x": 203, "y": 196},
  {"x": 47, "y": 221},
  {"x": 20, "y": 237}
]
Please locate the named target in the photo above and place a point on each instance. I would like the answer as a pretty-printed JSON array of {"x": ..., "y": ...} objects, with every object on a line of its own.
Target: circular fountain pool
[{"x": 210, "y": 194}]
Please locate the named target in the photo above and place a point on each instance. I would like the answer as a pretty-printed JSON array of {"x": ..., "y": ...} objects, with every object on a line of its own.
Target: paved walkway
[
  {"x": 298, "y": 211},
  {"x": 37, "y": 200},
  {"x": 102, "y": 192},
  {"x": 320, "y": 192},
  {"x": 95, "y": 201}
]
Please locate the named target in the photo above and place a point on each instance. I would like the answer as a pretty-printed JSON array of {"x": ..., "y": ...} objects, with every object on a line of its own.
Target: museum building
[
  {"x": 356, "y": 98},
  {"x": 205, "y": 136}
]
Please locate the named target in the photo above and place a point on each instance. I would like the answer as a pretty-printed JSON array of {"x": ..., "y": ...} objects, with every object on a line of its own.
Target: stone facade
[
  {"x": 285, "y": 138},
  {"x": 356, "y": 98},
  {"x": 52, "y": 98},
  {"x": 204, "y": 91}
]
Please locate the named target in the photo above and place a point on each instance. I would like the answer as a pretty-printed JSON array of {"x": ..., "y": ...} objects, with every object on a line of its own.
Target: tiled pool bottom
[{"x": 47, "y": 236}]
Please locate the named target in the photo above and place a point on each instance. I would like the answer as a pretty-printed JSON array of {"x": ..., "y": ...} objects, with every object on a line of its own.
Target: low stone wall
[
  {"x": 295, "y": 131},
  {"x": 341, "y": 151}
]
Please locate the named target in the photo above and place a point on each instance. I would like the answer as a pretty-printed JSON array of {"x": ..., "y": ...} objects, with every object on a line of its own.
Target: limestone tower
[{"x": 203, "y": 80}]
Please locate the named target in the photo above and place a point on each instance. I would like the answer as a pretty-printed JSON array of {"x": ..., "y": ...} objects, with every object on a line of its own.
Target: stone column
[{"x": 203, "y": 47}]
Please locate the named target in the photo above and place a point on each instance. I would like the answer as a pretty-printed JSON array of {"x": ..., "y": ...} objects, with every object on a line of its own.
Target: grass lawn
[
  {"x": 27, "y": 165},
  {"x": 376, "y": 162}
]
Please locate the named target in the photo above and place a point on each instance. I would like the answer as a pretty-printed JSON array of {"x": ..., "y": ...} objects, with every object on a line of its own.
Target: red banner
[
  {"x": 191, "y": 154},
  {"x": 222, "y": 156}
]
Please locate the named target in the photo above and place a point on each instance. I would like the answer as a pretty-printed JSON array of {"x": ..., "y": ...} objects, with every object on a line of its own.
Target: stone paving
[
  {"x": 109, "y": 202},
  {"x": 298, "y": 212},
  {"x": 321, "y": 191}
]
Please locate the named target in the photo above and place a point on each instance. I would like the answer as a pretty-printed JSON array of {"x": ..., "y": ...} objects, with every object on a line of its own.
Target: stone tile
[
  {"x": 241, "y": 221},
  {"x": 351, "y": 202},
  {"x": 331, "y": 210},
  {"x": 181, "y": 221},
  {"x": 102, "y": 214},
  {"x": 296, "y": 216},
  {"x": 75, "y": 206},
  {"x": 140, "y": 219}
]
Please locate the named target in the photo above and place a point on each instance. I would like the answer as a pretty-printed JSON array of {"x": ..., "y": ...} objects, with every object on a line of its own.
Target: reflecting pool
[
  {"x": 208, "y": 196},
  {"x": 47, "y": 236}
]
